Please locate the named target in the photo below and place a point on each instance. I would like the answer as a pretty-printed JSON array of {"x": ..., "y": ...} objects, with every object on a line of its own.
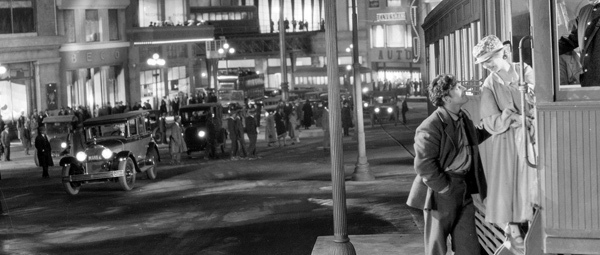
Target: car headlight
[
  {"x": 201, "y": 133},
  {"x": 376, "y": 110},
  {"x": 63, "y": 145},
  {"x": 107, "y": 153},
  {"x": 81, "y": 156},
  {"x": 390, "y": 110}
]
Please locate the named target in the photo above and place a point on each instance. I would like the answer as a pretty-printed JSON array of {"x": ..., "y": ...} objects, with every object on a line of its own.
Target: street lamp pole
[
  {"x": 361, "y": 172},
  {"x": 156, "y": 62},
  {"x": 341, "y": 244},
  {"x": 226, "y": 49}
]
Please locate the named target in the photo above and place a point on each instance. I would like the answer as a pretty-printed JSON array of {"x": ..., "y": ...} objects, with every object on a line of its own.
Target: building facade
[{"x": 29, "y": 57}]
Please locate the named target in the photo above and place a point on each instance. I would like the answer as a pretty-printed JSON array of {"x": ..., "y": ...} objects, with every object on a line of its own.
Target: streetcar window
[{"x": 577, "y": 71}]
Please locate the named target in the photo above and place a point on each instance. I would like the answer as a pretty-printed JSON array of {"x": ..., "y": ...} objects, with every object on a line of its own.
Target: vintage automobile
[
  {"x": 383, "y": 107},
  {"x": 65, "y": 137},
  {"x": 202, "y": 128},
  {"x": 117, "y": 148}
]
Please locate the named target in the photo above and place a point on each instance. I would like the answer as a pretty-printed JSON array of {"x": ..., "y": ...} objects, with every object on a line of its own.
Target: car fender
[
  {"x": 122, "y": 156},
  {"x": 152, "y": 146},
  {"x": 68, "y": 160}
]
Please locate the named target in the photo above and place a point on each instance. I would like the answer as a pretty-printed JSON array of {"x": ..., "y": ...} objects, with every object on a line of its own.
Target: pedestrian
[
  {"x": 346, "y": 118},
  {"x": 43, "y": 151},
  {"x": 162, "y": 128},
  {"x": 251, "y": 129},
  {"x": 404, "y": 110},
  {"x": 26, "y": 136},
  {"x": 511, "y": 183},
  {"x": 291, "y": 124},
  {"x": 5, "y": 141},
  {"x": 175, "y": 105},
  {"x": 34, "y": 125},
  {"x": 147, "y": 105},
  {"x": 163, "y": 106},
  {"x": 2, "y": 124},
  {"x": 236, "y": 133},
  {"x": 325, "y": 126},
  {"x": 176, "y": 143},
  {"x": 448, "y": 170},
  {"x": 270, "y": 131},
  {"x": 308, "y": 114},
  {"x": 280, "y": 126}
]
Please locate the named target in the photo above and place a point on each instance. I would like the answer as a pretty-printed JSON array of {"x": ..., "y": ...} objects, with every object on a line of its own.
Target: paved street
[{"x": 279, "y": 204}]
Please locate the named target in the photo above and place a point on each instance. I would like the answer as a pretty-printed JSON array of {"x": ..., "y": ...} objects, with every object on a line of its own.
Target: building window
[
  {"x": 113, "y": 25},
  {"x": 69, "y": 25},
  {"x": 396, "y": 36},
  {"x": 92, "y": 26},
  {"x": 178, "y": 80},
  {"x": 16, "y": 16},
  {"x": 377, "y": 36},
  {"x": 392, "y": 3}
]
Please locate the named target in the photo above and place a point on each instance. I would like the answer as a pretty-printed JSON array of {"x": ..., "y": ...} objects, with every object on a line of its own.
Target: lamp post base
[
  {"x": 362, "y": 173},
  {"x": 343, "y": 248}
]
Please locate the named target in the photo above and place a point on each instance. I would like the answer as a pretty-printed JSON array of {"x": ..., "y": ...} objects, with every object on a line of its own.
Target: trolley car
[{"x": 567, "y": 118}]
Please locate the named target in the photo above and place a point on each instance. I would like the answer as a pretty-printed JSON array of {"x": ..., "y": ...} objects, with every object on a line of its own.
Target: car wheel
[
  {"x": 152, "y": 158},
  {"x": 158, "y": 136},
  {"x": 128, "y": 180},
  {"x": 72, "y": 188}
]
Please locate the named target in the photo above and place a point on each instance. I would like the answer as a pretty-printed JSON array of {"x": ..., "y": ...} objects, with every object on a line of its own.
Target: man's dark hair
[{"x": 440, "y": 87}]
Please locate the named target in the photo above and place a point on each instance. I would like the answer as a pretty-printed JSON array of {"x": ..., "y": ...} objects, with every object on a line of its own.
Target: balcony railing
[{"x": 171, "y": 34}]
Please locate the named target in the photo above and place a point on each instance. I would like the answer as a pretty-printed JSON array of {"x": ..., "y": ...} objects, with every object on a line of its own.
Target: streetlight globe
[
  {"x": 347, "y": 49},
  {"x": 365, "y": 90},
  {"x": 151, "y": 62},
  {"x": 348, "y": 67},
  {"x": 231, "y": 50},
  {"x": 160, "y": 62},
  {"x": 221, "y": 50},
  {"x": 155, "y": 56},
  {"x": 226, "y": 45},
  {"x": 3, "y": 69}
]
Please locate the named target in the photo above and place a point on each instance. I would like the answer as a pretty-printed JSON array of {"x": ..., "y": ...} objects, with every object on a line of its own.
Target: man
[
  {"x": 236, "y": 133},
  {"x": 5, "y": 142},
  {"x": 176, "y": 143},
  {"x": 448, "y": 170},
  {"x": 44, "y": 151},
  {"x": 251, "y": 130},
  {"x": 584, "y": 34}
]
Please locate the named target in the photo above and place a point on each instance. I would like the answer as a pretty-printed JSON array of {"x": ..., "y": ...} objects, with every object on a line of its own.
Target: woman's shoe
[{"x": 515, "y": 233}]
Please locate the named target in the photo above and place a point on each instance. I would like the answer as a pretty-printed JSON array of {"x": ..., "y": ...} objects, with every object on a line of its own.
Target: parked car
[
  {"x": 117, "y": 147},
  {"x": 202, "y": 128},
  {"x": 64, "y": 136}
]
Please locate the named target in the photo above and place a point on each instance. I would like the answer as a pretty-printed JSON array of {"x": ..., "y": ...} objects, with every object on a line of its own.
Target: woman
[
  {"x": 176, "y": 143},
  {"x": 270, "y": 133},
  {"x": 511, "y": 183},
  {"x": 280, "y": 125}
]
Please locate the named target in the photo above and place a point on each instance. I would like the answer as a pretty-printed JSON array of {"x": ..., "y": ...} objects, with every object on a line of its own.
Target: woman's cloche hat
[{"x": 486, "y": 48}]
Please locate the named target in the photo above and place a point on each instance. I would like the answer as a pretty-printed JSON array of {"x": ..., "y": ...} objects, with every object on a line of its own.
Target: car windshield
[
  {"x": 57, "y": 128},
  {"x": 196, "y": 115},
  {"x": 114, "y": 129}
]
